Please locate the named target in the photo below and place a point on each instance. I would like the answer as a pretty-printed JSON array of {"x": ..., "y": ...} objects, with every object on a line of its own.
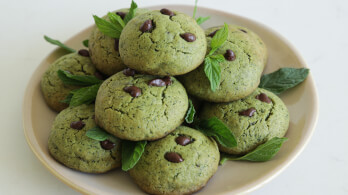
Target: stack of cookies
[{"x": 152, "y": 68}]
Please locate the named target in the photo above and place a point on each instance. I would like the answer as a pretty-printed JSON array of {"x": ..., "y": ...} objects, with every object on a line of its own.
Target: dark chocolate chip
[
  {"x": 129, "y": 72},
  {"x": 99, "y": 75},
  {"x": 173, "y": 157},
  {"x": 157, "y": 83},
  {"x": 77, "y": 125},
  {"x": 107, "y": 145},
  {"x": 212, "y": 34},
  {"x": 168, "y": 80},
  {"x": 249, "y": 112},
  {"x": 263, "y": 98},
  {"x": 189, "y": 37},
  {"x": 121, "y": 14},
  {"x": 117, "y": 41},
  {"x": 168, "y": 12},
  {"x": 229, "y": 55},
  {"x": 183, "y": 140},
  {"x": 84, "y": 52},
  {"x": 146, "y": 26},
  {"x": 244, "y": 31},
  {"x": 133, "y": 91}
]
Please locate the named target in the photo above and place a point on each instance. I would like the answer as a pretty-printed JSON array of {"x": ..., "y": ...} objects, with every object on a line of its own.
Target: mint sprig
[
  {"x": 85, "y": 95},
  {"x": 81, "y": 80},
  {"x": 60, "y": 44},
  {"x": 99, "y": 134},
  {"x": 199, "y": 20},
  {"x": 190, "y": 115},
  {"x": 212, "y": 62},
  {"x": 131, "y": 12},
  {"x": 131, "y": 153},
  {"x": 85, "y": 42},
  {"x": 283, "y": 79},
  {"x": 263, "y": 152}
]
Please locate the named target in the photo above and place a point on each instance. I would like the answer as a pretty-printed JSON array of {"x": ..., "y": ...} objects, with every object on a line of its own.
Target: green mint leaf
[
  {"x": 131, "y": 153},
  {"x": 84, "y": 95},
  {"x": 215, "y": 128},
  {"x": 98, "y": 134},
  {"x": 283, "y": 79},
  {"x": 116, "y": 19},
  {"x": 131, "y": 12},
  {"x": 218, "y": 39},
  {"x": 58, "y": 43},
  {"x": 85, "y": 43},
  {"x": 213, "y": 72},
  {"x": 195, "y": 10},
  {"x": 201, "y": 20},
  {"x": 263, "y": 152},
  {"x": 67, "y": 99},
  {"x": 108, "y": 28},
  {"x": 190, "y": 115},
  {"x": 81, "y": 80},
  {"x": 218, "y": 58}
]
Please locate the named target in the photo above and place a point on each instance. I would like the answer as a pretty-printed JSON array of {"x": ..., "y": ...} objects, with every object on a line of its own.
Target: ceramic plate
[{"x": 232, "y": 177}]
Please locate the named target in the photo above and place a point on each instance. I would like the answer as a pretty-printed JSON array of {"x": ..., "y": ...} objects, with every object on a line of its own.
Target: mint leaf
[
  {"x": 116, "y": 19},
  {"x": 81, "y": 80},
  {"x": 85, "y": 43},
  {"x": 263, "y": 152},
  {"x": 283, "y": 79},
  {"x": 201, "y": 20},
  {"x": 131, "y": 12},
  {"x": 58, "y": 43},
  {"x": 108, "y": 28},
  {"x": 67, "y": 99},
  {"x": 215, "y": 128},
  {"x": 84, "y": 95},
  {"x": 131, "y": 153},
  {"x": 218, "y": 39},
  {"x": 218, "y": 58},
  {"x": 213, "y": 72},
  {"x": 98, "y": 134},
  {"x": 195, "y": 10},
  {"x": 190, "y": 115}
]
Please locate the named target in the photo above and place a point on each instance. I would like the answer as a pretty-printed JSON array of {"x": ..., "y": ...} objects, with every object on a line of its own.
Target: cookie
[
  {"x": 140, "y": 107},
  {"x": 69, "y": 145},
  {"x": 246, "y": 57},
  {"x": 181, "y": 163},
  {"x": 253, "y": 120},
  {"x": 105, "y": 50},
  {"x": 53, "y": 89},
  {"x": 163, "y": 43}
]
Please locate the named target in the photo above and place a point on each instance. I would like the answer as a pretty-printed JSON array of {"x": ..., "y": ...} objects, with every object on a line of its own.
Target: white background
[{"x": 317, "y": 28}]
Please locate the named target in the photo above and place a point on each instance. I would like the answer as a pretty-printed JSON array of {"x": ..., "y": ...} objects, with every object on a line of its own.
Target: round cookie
[
  {"x": 69, "y": 144},
  {"x": 253, "y": 120},
  {"x": 239, "y": 77},
  {"x": 163, "y": 48},
  {"x": 159, "y": 170},
  {"x": 155, "y": 112},
  {"x": 53, "y": 89},
  {"x": 104, "y": 49}
]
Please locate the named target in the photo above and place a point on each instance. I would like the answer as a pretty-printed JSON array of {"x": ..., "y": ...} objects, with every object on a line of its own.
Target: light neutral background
[{"x": 317, "y": 28}]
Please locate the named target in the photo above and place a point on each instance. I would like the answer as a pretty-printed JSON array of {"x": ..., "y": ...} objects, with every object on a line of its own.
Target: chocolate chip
[
  {"x": 146, "y": 26},
  {"x": 117, "y": 41},
  {"x": 129, "y": 72},
  {"x": 77, "y": 125},
  {"x": 249, "y": 112},
  {"x": 133, "y": 91},
  {"x": 183, "y": 140},
  {"x": 189, "y": 37},
  {"x": 229, "y": 55},
  {"x": 99, "y": 75},
  {"x": 244, "y": 31},
  {"x": 167, "y": 80},
  {"x": 173, "y": 157},
  {"x": 157, "y": 83},
  {"x": 212, "y": 34},
  {"x": 121, "y": 14},
  {"x": 107, "y": 145},
  {"x": 263, "y": 98},
  {"x": 168, "y": 12},
  {"x": 83, "y": 52}
]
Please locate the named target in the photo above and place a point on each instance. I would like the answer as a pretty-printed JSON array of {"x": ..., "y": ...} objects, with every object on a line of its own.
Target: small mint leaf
[
  {"x": 219, "y": 39},
  {"x": 201, "y": 20},
  {"x": 116, "y": 19},
  {"x": 84, "y": 95},
  {"x": 130, "y": 15},
  {"x": 108, "y": 28},
  {"x": 190, "y": 115},
  {"x": 58, "y": 43},
  {"x": 213, "y": 72},
  {"x": 98, "y": 134},
  {"x": 131, "y": 153},
  {"x": 81, "y": 80},
  {"x": 85, "y": 42}
]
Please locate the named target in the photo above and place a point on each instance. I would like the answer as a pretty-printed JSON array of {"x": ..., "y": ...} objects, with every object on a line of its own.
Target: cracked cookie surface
[
  {"x": 162, "y": 50},
  {"x": 270, "y": 120},
  {"x": 239, "y": 77},
  {"x": 156, "y": 175},
  {"x": 53, "y": 89},
  {"x": 74, "y": 149},
  {"x": 153, "y": 114}
]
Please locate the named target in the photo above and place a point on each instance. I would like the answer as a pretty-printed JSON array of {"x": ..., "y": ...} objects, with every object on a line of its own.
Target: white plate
[{"x": 232, "y": 177}]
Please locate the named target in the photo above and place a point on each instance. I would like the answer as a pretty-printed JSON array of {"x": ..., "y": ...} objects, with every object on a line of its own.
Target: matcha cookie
[
  {"x": 246, "y": 56},
  {"x": 163, "y": 43},
  {"x": 140, "y": 107},
  {"x": 104, "y": 49},
  {"x": 69, "y": 144},
  {"x": 181, "y": 163},
  {"x": 53, "y": 89},
  {"x": 253, "y": 120}
]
